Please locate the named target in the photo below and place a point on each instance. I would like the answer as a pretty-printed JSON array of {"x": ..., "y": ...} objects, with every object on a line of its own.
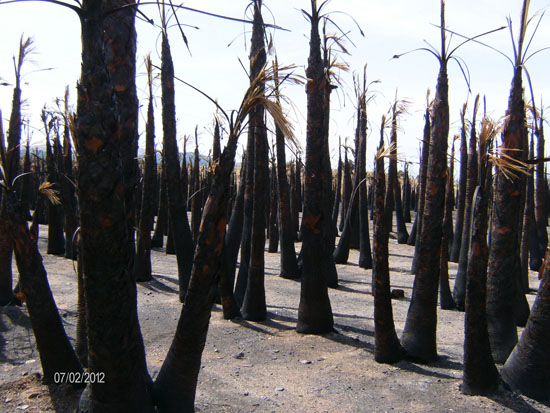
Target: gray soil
[{"x": 267, "y": 366}]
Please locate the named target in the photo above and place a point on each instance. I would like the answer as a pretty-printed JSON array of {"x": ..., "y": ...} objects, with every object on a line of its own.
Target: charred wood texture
[
  {"x": 459, "y": 291},
  {"x": 314, "y": 311},
  {"x": 387, "y": 348},
  {"x": 115, "y": 344},
  {"x": 419, "y": 334},
  {"x": 177, "y": 211},
  {"x": 504, "y": 259},
  {"x": 462, "y": 178}
]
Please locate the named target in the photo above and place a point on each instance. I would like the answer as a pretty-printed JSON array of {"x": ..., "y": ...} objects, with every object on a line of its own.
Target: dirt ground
[{"x": 267, "y": 366}]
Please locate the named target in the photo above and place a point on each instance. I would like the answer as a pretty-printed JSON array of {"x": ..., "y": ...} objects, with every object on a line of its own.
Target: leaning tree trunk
[
  {"x": 463, "y": 176},
  {"x": 177, "y": 211},
  {"x": 56, "y": 352},
  {"x": 504, "y": 259},
  {"x": 116, "y": 347},
  {"x": 527, "y": 370},
  {"x": 419, "y": 333},
  {"x": 459, "y": 291},
  {"x": 314, "y": 311}
]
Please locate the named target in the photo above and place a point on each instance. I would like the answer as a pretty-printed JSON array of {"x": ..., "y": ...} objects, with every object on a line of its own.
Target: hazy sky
[{"x": 390, "y": 27}]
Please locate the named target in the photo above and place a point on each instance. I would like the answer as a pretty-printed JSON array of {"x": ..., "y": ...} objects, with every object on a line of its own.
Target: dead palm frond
[{"x": 51, "y": 194}]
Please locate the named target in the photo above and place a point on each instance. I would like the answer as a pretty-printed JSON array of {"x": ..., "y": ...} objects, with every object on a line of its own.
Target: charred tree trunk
[
  {"x": 463, "y": 176},
  {"x": 346, "y": 192},
  {"x": 387, "y": 348},
  {"x": 504, "y": 259},
  {"x": 115, "y": 344},
  {"x": 289, "y": 263},
  {"x": 142, "y": 262},
  {"x": 480, "y": 373},
  {"x": 540, "y": 201},
  {"x": 254, "y": 306},
  {"x": 426, "y": 144},
  {"x": 162, "y": 213},
  {"x": 526, "y": 370},
  {"x": 446, "y": 301},
  {"x": 406, "y": 195},
  {"x": 459, "y": 291},
  {"x": 365, "y": 254},
  {"x": 314, "y": 311},
  {"x": 196, "y": 204},
  {"x": 177, "y": 211},
  {"x": 273, "y": 229},
  {"x": 419, "y": 333},
  {"x": 235, "y": 229},
  {"x": 338, "y": 189},
  {"x": 55, "y": 350}
]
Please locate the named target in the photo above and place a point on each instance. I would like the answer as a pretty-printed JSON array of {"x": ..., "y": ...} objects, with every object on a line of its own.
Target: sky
[{"x": 219, "y": 50}]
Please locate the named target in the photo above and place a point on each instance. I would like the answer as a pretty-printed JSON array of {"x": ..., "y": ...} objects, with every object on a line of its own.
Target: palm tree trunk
[
  {"x": 419, "y": 334},
  {"x": 254, "y": 306},
  {"x": 463, "y": 176},
  {"x": 504, "y": 259},
  {"x": 387, "y": 348},
  {"x": 115, "y": 344},
  {"x": 177, "y": 211},
  {"x": 459, "y": 291}
]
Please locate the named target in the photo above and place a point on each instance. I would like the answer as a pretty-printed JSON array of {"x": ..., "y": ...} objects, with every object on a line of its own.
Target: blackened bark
[
  {"x": 426, "y": 144},
  {"x": 480, "y": 373},
  {"x": 254, "y": 306},
  {"x": 528, "y": 227},
  {"x": 406, "y": 195},
  {"x": 162, "y": 213},
  {"x": 230, "y": 307},
  {"x": 142, "y": 262},
  {"x": 419, "y": 334},
  {"x": 81, "y": 342},
  {"x": 68, "y": 196},
  {"x": 463, "y": 176},
  {"x": 54, "y": 348},
  {"x": 314, "y": 311},
  {"x": 540, "y": 201},
  {"x": 527, "y": 369},
  {"x": 365, "y": 254},
  {"x": 338, "y": 189},
  {"x": 504, "y": 259},
  {"x": 274, "y": 213},
  {"x": 387, "y": 348},
  {"x": 115, "y": 344},
  {"x": 446, "y": 301},
  {"x": 459, "y": 290},
  {"x": 346, "y": 192},
  {"x": 287, "y": 234},
  {"x": 176, "y": 383},
  {"x": 235, "y": 228},
  {"x": 196, "y": 204},
  {"x": 177, "y": 212},
  {"x": 56, "y": 240},
  {"x": 393, "y": 192}
]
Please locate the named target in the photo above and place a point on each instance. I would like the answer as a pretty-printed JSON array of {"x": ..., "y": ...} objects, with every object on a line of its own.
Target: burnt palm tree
[
  {"x": 177, "y": 211},
  {"x": 387, "y": 348},
  {"x": 462, "y": 177},
  {"x": 504, "y": 260},
  {"x": 175, "y": 386},
  {"x": 289, "y": 263},
  {"x": 254, "y": 306},
  {"x": 314, "y": 311},
  {"x": 480, "y": 373},
  {"x": 459, "y": 291},
  {"x": 142, "y": 262}
]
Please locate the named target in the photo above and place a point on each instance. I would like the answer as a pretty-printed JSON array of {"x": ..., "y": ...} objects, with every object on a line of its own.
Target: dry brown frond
[
  {"x": 46, "y": 189},
  {"x": 510, "y": 167},
  {"x": 388, "y": 152}
]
